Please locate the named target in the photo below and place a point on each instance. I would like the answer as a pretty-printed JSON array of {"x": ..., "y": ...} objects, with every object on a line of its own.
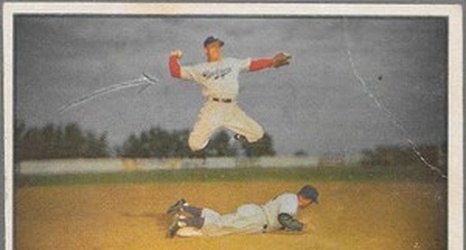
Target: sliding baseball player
[
  {"x": 278, "y": 214},
  {"x": 218, "y": 78}
]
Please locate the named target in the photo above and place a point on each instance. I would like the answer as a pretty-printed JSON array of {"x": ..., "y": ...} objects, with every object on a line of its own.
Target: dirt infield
[{"x": 367, "y": 215}]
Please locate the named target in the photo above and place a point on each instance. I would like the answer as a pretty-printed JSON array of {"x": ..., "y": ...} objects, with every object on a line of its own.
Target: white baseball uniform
[
  {"x": 249, "y": 218},
  {"x": 219, "y": 83}
]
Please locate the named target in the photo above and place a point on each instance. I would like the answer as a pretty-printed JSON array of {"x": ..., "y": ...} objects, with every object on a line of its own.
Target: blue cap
[
  {"x": 310, "y": 192},
  {"x": 212, "y": 39}
]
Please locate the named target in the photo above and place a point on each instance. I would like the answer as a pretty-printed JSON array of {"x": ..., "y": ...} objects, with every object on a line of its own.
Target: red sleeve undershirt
[
  {"x": 259, "y": 64},
  {"x": 174, "y": 65}
]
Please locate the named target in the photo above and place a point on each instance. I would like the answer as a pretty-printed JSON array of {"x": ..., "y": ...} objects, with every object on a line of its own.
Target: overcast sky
[{"x": 317, "y": 104}]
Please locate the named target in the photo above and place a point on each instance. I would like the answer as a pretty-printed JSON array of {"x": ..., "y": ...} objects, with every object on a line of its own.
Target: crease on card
[
  {"x": 384, "y": 110},
  {"x": 144, "y": 81}
]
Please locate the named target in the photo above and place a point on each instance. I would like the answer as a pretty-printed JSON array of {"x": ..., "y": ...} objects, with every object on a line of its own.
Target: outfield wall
[{"x": 108, "y": 165}]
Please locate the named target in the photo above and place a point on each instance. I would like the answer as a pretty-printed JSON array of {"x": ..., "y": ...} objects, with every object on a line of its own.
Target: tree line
[
  {"x": 401, "y": 156},
  {"x": 71, "y": 141}
]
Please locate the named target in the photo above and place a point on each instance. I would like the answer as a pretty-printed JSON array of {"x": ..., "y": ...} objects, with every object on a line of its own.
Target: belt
[{"x": 224, "y": 100}]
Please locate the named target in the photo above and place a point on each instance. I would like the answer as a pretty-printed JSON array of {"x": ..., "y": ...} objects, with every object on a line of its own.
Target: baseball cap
[
  {"x": 310, "y": 193},
  {"x": 212, "y": 39}
]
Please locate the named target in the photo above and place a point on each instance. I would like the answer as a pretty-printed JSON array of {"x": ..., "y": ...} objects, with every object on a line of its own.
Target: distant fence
[{"x": 108, "y": 165}]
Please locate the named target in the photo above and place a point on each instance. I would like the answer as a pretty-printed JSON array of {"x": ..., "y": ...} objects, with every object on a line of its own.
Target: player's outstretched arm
[
  {"x": 259, "y": 64},
  {"x": 290, "y": 223},
  {"x": 174, "y": 63},
  {"x": 279, "y": 60}
]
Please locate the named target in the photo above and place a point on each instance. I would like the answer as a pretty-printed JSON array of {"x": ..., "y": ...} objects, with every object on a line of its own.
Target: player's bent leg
[
  {"x": 255, "y": 131},
  {"x": 255, "y": 134},
  {"x": 197, "y": 143},
  {"x": 194, "y": 211},
  {"x": 196, "y": 222},
  {"x": 250, "y": 131},
  {"x": 177, "y": 207},
  {"x": 202, "y": 131},
  {"x": 247, "y": 219},
  {"x": 244, "y": 137},
  {"x": 209, "y": 121},
  {"x": 210, "y": 214},
  {"x": 181, "y": 221},
  {"x": 175, "y": 225},
  {"x": 240, "y": 123},
  {"x": 183, "y": 206}
]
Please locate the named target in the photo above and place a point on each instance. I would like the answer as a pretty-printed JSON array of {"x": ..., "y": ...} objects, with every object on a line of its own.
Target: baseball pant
[
  {"x": 218, "y": 115},
  {"x": 248, "y": 219}
]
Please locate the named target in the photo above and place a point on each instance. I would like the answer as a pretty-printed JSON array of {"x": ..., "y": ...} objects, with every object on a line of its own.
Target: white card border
[{"x": 455, "y": 66}]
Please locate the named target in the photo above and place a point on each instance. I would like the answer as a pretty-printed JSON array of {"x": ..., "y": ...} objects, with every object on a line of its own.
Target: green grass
[{"x": 356, "y": 174}]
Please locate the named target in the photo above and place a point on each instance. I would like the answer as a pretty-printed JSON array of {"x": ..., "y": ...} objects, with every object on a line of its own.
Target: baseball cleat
[
  {"x": 240, "y": 138},
  {"x": 174, "y": 227},
  {"x": 175, "y": 208}
]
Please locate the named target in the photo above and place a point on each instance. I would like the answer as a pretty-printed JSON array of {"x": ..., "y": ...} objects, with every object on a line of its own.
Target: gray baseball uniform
[{"x": 249, "y": 218}]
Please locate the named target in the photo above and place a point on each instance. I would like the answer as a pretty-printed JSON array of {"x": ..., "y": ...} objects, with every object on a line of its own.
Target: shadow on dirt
[{"x": 162, "y": 220}]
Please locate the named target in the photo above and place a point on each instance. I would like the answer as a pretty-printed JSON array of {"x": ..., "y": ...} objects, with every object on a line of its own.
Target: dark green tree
[
  {"x": 180, "y": 140},
  {"x": 160, "y": 143},
  {"x": 399, "y": 156},
  {"x": 30, "y": 145},
  {"x": 130, "y": 147},
  {"x": 157, "y": 143},
  {"x": 263, "y": 147},
  {"x": 96, "y": 146},
  {"x": 74, "y": 141},
  {"x": 219, "y": 146},
  {"x": 53, "y": 141}
]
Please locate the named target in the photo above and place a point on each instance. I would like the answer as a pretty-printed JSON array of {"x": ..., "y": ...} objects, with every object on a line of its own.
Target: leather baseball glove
[{"x": 281, "y": 59}]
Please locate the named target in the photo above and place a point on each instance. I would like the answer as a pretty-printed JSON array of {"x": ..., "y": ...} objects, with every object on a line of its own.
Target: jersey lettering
[{"x": 216, "y": 73}]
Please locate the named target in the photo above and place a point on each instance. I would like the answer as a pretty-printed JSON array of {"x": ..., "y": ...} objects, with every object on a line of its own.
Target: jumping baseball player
[
  {"x": 218, "y": 78},
  {"x": 278, "y": 214}
]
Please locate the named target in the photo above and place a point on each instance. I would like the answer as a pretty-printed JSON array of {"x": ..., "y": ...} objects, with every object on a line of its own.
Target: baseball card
[{"x": 221, "y": 125}]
